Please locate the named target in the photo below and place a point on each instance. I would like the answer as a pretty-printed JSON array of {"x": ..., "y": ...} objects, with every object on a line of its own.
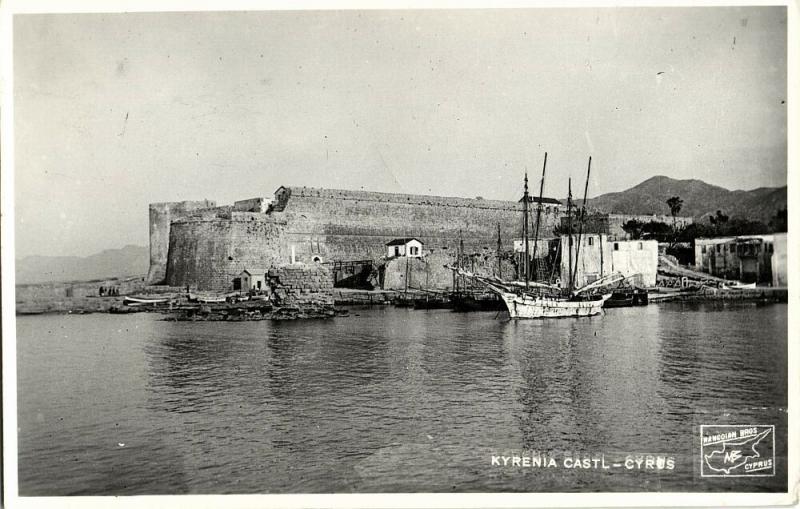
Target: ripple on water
[{"x": 386, "y": 399}]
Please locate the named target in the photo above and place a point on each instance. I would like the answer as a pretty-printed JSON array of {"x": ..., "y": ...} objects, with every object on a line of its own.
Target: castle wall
[
  {"x": 429, "y": 272},
  {"x": 209, "y": 253},
  {"x": 351, "y": 225},
  {"x": 208, "y": 246},
  {"x": 161, "y": 216},
  {"x": 305, "y": 285}
]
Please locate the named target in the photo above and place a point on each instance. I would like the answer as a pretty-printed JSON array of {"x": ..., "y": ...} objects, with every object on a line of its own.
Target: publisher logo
[{"x": 737, "y": 451}]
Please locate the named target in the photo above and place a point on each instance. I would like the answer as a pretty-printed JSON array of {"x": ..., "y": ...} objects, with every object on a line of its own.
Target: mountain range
[
  {"x": 699, "y": 200},
  {"x": 649, "y": 197},
  {"x": 127, "y": 261}
]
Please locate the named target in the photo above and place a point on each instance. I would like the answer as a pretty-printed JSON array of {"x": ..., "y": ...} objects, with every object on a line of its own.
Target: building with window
[
  {"x": 251, "y": 279},
  {"x": 747, "y": 258},
  {"x": 597, "y": 257},
  {"x": 410, "y": 247}
]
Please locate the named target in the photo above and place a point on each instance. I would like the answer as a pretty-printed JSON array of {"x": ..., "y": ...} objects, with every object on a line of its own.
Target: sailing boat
[{"x": 535, "y": 299}]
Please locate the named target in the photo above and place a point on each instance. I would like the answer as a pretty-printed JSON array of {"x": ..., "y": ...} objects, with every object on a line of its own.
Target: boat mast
[
  {"x": 538, "y": 218},
  {"x": 582, "y": 217},
  {"x": 569, "y": 233},
  {"x": 499, "y": 264},
  {"x": 525, "y": 229},
  {"x": 462, "y": 283}
]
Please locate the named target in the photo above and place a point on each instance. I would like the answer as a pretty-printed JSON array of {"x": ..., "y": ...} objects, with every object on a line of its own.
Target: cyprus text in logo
[{"x": 737, "y": 451}]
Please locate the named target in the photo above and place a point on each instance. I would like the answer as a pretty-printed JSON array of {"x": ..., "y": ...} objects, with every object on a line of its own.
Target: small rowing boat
[
  {"x": 142, "y": 301},
  {"x": 739, "y": 286},
  {"x": 206, "y": 299}
]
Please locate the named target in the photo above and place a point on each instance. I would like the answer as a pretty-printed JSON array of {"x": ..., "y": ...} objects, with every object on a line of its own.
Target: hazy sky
[{"x": 115, "y": 111}]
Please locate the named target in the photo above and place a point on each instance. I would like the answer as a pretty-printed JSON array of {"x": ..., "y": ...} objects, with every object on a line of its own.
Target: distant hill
[
  {"x": 699, "y": 199},
  {"x": 128, "y": 261}
]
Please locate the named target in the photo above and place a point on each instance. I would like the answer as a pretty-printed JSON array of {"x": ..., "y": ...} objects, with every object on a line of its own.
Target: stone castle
[{"x": 200, "y": 244}]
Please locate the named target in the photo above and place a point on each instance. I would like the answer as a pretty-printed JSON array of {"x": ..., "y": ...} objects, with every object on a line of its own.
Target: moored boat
[
  {"x": 473, "y": 301},
  {"x": 627, "y": 297},
  {"x": 739, "y": 286},
  {"x": 544, "y": 306},
  {"x": 538, "y": 299},
  {"x": 148, "y": 301},
  {"x": 546, "y": 301},
  {"x": 138, "y": 301}
]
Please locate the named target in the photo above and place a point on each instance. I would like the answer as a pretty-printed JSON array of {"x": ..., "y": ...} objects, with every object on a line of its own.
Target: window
[
  {"x": 703, "y": 249},
  {"x": 616, "y": 246},
  {"x": 591, "y": 241},
  {"x": 641, "y": 246},
  {"x": 397, "y": 250},
  {"x": 414, "y": 250},
  {"x": 718, "y": 248}
]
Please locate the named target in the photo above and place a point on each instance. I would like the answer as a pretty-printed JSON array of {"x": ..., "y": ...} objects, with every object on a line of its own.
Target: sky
[{"x": 115, "y": 111}]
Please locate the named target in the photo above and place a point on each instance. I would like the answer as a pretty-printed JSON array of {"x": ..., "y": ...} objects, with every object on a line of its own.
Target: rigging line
[
  {"x": 569, "y": 231},
  {"x": 538, "y": 218},
  {"x": 553, "y": 270},
  {"x": 582, "y": 217}
]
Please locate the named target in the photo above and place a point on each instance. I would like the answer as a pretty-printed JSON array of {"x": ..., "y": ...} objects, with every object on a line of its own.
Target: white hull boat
[
  {"x": 535, "y": 306},
  {"x": 139, "y": 301},
  {"x": 542, "y": 301},
  {"x": 537, "y": 299},
  {"x": 740, "y": 286}
]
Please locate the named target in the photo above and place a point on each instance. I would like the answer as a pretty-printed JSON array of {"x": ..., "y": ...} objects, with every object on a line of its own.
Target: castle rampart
[
  {"x": 210, "y": 246},
  {"x": 161, "y": 215},
  {"x": 209, "y": 253},
  {"x": 355, "y": 224}
]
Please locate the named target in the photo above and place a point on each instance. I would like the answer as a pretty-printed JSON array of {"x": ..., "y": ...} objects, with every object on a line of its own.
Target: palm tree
[{"x": 675, "y": 204}]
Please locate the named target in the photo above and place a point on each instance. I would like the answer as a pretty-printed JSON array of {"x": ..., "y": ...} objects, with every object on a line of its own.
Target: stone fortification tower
[{"x": 161, "y": 215}]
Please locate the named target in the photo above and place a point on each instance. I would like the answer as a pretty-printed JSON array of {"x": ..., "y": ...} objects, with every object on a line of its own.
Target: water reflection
[
  {"x": 386, "y": 399},
  {"x": 721, "y": 356}
]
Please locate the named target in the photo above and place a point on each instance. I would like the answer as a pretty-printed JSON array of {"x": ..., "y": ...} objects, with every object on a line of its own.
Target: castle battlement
[{"x": 199, "y": 243}]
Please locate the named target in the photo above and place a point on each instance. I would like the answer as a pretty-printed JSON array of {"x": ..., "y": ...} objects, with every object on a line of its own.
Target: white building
[
  {"x": 599, "y": 257},
  {"x": 410, "y": 247},
  {"x": 779, "y": 260},
  {"x": 253, "y": 205},
  {"x": 749, "y": 258},
  {"x": 541, "y": 246},
  {"x": 252, "y": 279}
]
